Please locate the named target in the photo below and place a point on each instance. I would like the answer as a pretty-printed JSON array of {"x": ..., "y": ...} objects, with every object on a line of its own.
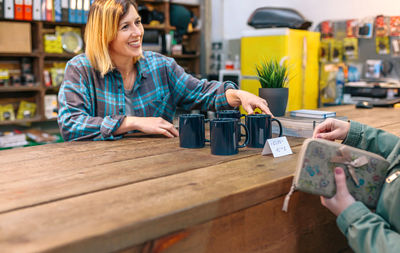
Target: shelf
[
  {"x": 17, "y": 55},
  {"x": 59, "y": 56},
  {"x": 184, "y": 56},
  {"x": 19, "y": 88},
  {"x": 152, "y": 1},
  {"x": 20, "y": 121},
  {"x": 53, "y": 23},
  {"x": 52, "y": 88},
  {"x": 158, "y": 27},
  {"x": 189, "y": 5}
]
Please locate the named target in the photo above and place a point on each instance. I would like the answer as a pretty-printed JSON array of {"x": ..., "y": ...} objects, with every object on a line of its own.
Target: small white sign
[{"x": 277, "y": 146}]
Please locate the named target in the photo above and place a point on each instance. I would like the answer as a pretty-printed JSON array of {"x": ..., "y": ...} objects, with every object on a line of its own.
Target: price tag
[{"x": 277, "y": 146}]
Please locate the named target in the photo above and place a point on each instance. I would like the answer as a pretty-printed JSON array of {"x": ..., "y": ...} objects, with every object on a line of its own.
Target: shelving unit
[
  {"x": 40, "y": 59},
  {"x": 36, "y": 93},
  {"x": 190, "y": 62}
]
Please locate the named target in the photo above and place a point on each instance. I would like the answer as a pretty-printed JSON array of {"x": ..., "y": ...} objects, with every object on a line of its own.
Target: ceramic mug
[
  {"x": 223, "y": 137},
  {"x": 260, "y": 129},
  {"x": 234, "y": 114},
  {"x": 192, "y": 131}
]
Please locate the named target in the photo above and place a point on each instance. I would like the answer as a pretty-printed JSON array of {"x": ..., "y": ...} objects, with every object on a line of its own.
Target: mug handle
[
  {"x": 205, "y": 121},
  {"x": 241, "y": 116},
  {"x": 280, "y": 126},
  {"x": 246, "y": 141}
]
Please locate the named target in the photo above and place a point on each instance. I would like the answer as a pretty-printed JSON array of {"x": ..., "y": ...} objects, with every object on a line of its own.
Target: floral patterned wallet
[{"x": 365, "y": 171}]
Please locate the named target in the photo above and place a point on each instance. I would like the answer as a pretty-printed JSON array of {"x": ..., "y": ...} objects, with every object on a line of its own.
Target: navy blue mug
[
  {"x": 223, "y": 137},
  {"x": 191, "y": 131},
  {"x": 260, "y": 129},
  {"x": 234, "y": 114}
]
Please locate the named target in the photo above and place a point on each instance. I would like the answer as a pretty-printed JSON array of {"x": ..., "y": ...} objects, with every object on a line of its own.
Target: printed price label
[{"x": 277, "y": 146}]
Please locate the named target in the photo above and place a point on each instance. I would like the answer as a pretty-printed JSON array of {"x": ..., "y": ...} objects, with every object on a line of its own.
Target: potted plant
[{"x": 273, "y": 78}]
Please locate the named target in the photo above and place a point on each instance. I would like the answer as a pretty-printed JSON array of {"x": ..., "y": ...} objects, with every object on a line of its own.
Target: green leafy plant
[{"x": 272, "y": 74}]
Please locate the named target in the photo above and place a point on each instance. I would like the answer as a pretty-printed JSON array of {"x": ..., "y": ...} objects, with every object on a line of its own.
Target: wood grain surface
[{"x": 146, "y": 194}]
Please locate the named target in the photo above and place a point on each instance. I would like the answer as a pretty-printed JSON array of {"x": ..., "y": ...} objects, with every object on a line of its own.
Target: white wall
[{"x": 229, "y": 17}]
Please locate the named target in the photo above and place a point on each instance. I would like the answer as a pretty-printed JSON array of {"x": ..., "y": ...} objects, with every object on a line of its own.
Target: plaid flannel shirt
[{"x": 92, "y": 107}]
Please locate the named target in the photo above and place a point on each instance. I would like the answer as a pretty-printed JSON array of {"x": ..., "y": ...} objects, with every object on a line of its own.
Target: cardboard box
[{"x": 15, "y": 37}]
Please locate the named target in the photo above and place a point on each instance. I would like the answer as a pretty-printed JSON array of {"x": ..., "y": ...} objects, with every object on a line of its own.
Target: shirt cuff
[
  {"x": 350, "y": 215},
  {"x": 230, "y": 85},
  {"x": 354, "y": 135},
  {"x": 109, "y": 125}
]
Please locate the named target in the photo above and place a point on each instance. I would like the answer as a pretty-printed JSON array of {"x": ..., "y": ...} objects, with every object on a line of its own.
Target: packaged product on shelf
[
  {"x": 28, "y": 79},
  {"x": 57, "y": 73},
  {"x": 40, "y": 136},
  {"x": 26, "y": 110},
  {"x": 47, "y": 79},
  {"x": 52, "y": 44},
  {"x": 350, "y": 48},
  {"x": 366, "y": 27},
  {"x": 396, "y": 46},
  {"x": 382, "y": 26},
  {"x": 50, "y": 106},
  {"x": 382, "y": 45},
  {"x": 4, "y": 77},
  {"x": 324, "y": 50},
  {"x": 16, "y": 80},
  {"x": 351, "y": 28},
  {"x": 395, "y": 26},
  {"x": 336, "y": 54},
  {"x": 7, "y": 112},
  {"x": 12, "y": 139}
]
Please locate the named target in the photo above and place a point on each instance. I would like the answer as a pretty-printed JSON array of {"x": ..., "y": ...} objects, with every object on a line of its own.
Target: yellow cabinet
[{"x": 300, "y": 50}]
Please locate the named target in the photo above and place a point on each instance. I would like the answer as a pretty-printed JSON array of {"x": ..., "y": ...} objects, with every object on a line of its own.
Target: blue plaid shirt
[{"x": 92, "y": 107}]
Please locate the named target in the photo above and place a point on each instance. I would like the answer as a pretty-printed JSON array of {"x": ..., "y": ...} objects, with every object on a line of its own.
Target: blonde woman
[{"x": 115, "y": 87}]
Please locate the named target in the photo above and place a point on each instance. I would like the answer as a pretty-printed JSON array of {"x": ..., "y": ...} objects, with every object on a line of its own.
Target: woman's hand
[
  {"x": 248, "y": 101},
  {"x": 332, "y": 129},
  {"x": 342, "y": 198},
  {"x": 148, "y": 125}
]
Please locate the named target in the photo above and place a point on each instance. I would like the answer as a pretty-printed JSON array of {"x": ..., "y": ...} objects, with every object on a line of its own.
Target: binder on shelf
[
  {"x": 86, "y": 7},
  {"x": 27, "y": 9},
  {"x": 9, "y": 9},
  {"x": 72, "y": 11},
  {"x": 19, "y": 9},
  {"x": 57, "y": 11},
  {"x": 79, "y": 11},
  {"x": 64, "y": 10},
  {"x": 1, "y": 8},
  {"x": 49, "y": 10},
  {"x": 43, "y": 9},
  {"x": 36, "y": 10},
  {"x": 312, "y": 114}
]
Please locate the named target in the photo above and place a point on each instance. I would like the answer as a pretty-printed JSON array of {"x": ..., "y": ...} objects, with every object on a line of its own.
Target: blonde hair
[{"x": 101, "y": 29}]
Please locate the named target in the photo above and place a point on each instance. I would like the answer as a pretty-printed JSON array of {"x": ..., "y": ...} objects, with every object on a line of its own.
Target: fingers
[
  {"x": 248, "y": 109},
  {"x": 321, "y": 128},
  {"x": 264, "y": 107},
  {"x": 327, "y": 136},
  {"x": 323, "y": 200},
  {"x": 260, "y": 104},
  {"x": 340, "y": 178},
  {"x": 168, "y": 129}
]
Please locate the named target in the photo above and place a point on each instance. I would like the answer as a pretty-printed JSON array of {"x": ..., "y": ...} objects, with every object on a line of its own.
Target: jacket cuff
[
  {"x": 350, "y": 215},
  {"x": 354, "y": 135}
]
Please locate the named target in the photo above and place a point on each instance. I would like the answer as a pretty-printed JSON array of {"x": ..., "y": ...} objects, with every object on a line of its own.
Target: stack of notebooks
[{"x": 301, "y": 123}]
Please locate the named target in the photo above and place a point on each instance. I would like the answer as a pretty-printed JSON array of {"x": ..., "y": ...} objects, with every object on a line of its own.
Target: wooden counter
[{"x": 146, "y": 194}]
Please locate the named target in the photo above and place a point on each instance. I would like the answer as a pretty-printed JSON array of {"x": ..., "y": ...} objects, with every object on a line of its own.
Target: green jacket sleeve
[{"x": 365, "y": 230}]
